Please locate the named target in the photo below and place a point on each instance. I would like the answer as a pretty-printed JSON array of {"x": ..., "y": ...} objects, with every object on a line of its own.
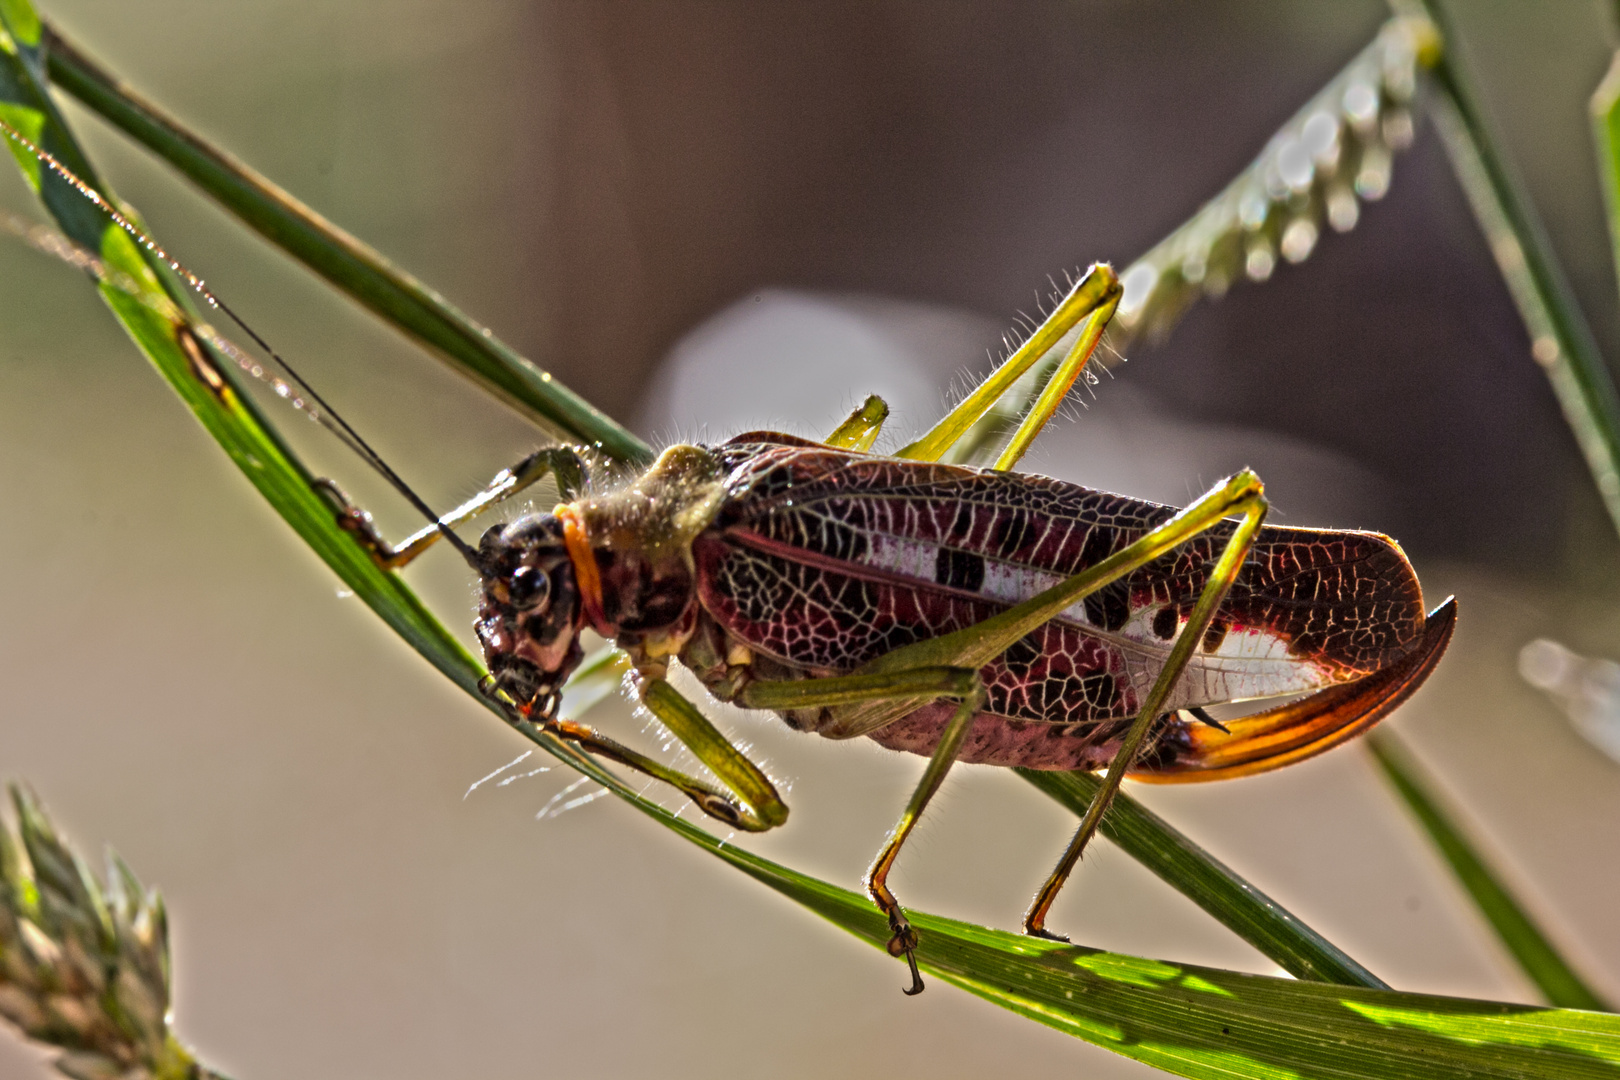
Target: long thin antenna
[
  {"x": 370, "y": 456},
  {"x": 47, "y": 241}
]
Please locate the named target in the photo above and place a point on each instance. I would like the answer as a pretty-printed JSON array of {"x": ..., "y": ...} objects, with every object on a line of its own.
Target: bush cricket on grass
[{"x": 966, "y": 614}]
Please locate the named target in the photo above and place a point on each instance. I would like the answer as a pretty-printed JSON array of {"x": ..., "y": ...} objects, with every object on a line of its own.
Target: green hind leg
[
  {"x": 1088, "y": 306},
  {"x": 1209, "y": 601}
]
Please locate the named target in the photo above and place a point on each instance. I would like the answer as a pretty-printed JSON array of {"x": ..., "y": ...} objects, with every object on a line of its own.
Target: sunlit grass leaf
[
  {"x": 1529, "y": 946},
  {"x": 1205, "y": 1022},
  {"x": 1188, "y": 1020}
]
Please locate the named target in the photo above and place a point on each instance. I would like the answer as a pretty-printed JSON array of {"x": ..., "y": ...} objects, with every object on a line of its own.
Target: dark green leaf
[
  {"x": 1534, "y": 952},
  {"x": 1560, "y": 339},
  {"x": 1207, "y": 882}
]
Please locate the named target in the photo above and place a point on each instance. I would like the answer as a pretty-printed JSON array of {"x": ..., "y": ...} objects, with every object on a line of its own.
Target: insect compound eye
[
  {"x": 491, "y": 541},
  {"x": 528, "y": 587}
]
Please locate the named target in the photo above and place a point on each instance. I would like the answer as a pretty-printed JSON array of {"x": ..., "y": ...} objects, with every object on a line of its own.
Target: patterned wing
[{"x": 825, "y": 559}]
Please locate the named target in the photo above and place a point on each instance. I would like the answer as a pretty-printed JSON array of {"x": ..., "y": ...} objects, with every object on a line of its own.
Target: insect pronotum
[{"x": 966, "y": 614}]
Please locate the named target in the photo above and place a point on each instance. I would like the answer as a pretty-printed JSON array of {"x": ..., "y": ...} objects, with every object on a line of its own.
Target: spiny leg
[
  {"x": 1057, "y": 387},
  {"x": 925, "y": 683},
  {"x": 903, "y": 939},
  {"x": 762, "y": 808},
  {"x": 765, "y": 808},
  {"x": 1097, "y": 293},
  {"x": 860, "y": 431},
  {"x": 560, "y": 462},
  {"x": 1209, "y": 601}
]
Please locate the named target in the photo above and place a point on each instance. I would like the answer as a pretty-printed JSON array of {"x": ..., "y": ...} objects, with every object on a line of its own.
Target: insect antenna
[
  {"x": 47, "y": 241},
  {"x": 328, "y": 415}
]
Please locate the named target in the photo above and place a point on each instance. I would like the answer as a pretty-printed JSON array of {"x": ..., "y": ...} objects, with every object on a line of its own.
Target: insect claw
[
  {"x": 903, "y": 943},
  {"x": 916, "y": 986},
  {"x": 1204, "y": 718},
  {"x": 1045, "y": 934}
]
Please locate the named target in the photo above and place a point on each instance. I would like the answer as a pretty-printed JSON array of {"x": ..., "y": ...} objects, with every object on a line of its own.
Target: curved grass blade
[
  {"x": 1188, "y": 1020},
  {"x": 346, "y": 262},
  {"x": 1605, "y": 111},
  {"x": 1535, "y": 954},
  {"x": 1208, "y": 1023},
  {"x": 1561, "y": 342},
  {"x": 1207, "y": 882}
]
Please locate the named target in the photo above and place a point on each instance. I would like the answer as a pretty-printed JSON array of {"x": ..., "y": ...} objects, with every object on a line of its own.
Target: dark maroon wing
[{"x": 826, "y": 559}]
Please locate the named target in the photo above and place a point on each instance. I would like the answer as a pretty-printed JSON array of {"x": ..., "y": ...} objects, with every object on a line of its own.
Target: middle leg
[{"x": 912, "y": 685}]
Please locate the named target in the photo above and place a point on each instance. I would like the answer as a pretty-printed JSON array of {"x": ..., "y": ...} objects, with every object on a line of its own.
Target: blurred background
[{"x": 707, "y": 217}]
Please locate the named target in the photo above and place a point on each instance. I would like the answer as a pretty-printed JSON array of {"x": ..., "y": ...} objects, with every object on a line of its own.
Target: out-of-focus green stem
[
  {"x": 353, "y": 266},
  {"x": 1535, "y": 954},
  {"x": 1605, "y": 108},
  {"x": 1560, "y": 339}
]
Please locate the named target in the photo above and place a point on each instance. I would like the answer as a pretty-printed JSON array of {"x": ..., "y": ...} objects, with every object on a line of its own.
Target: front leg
[
  {"x": 752, "y": 803},
  {"x": 559, "y": 462}
]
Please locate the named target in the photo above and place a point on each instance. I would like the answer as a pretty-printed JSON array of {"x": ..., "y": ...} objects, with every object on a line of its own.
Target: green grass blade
[
  {"x": 1560, "y": 339},
  {"x": 1541, "y": 961},
  {"x": 1188, "y": 1020},
  {"x": 1605, "y": 110},
  {"x": 1209, "y": 1023},
  {"x": 1203, "y": 879},
  {"x": 351, "y": 265},
  {"x": 203, "y": 379}
]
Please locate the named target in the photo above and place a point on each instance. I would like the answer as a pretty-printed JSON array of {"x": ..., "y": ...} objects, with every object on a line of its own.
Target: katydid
[{"x": 967, "y": 614}]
